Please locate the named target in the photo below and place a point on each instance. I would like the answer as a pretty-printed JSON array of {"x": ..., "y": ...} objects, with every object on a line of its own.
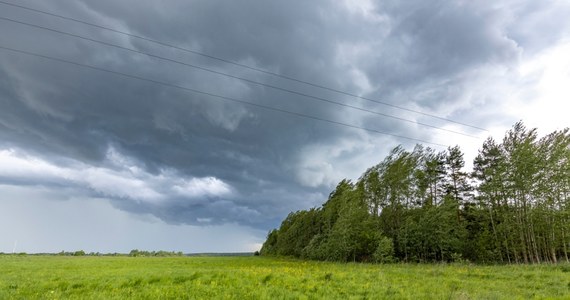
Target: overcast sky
[{"x": 102, "y": 162}]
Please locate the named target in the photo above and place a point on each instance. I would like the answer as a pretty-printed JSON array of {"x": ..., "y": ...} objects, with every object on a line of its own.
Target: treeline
[
  {"x": 161, "y": 253},
  {"x": 133, "y": 253},
  {"x": 422, "y": 206}
]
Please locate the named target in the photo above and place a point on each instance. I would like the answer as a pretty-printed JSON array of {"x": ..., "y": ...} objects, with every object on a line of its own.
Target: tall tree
[{"x": 457, "y": 185}]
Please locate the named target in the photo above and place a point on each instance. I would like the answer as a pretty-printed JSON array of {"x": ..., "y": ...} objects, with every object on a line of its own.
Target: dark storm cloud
[
  {"x": 432, "y": 46},
  {"x": 413, "y": 54}
]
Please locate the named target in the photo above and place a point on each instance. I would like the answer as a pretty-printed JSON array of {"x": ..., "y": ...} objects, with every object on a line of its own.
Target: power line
[
  {"x": 234, "y": 77},
  {"x": 225, "y": 98},
  {"x": 240, "y": 64}
]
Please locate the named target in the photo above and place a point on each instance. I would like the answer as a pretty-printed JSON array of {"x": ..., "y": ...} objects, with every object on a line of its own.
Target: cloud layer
[{"x": 188, "y": 158}]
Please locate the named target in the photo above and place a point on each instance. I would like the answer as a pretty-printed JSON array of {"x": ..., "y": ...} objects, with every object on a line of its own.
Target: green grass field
[{"x": 61, "y": 277}]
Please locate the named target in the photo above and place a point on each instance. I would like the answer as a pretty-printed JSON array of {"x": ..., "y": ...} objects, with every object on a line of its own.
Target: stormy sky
[{"x": 110, "y": 142}]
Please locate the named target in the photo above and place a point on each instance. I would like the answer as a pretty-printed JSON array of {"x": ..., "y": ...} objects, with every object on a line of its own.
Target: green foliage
[
  {"x": 270, "y": 244},
  {"x": 514, "y": 207},
  {"x": 384, "y": 253}
]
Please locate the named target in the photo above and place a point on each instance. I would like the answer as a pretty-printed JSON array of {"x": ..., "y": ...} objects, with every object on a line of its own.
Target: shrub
[{"x": 385, "y": 251}]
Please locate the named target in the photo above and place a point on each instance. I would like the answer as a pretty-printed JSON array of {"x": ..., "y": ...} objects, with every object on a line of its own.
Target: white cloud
[
  {"x": 327, "y": 164},
  {"x": 120, "y": 184},
  {"x": 123, "y": 179},
  {"x": 20, "y": 167},
  {"x": 548, "y": 109},
  {"x": 197, "y": 187}
]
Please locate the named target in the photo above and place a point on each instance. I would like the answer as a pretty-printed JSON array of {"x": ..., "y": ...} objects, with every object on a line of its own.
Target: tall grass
[{"x": 57, "y": 277}]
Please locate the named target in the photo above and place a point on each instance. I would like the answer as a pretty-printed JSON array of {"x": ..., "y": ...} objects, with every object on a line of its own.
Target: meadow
[{"x": 88, "y": 277}]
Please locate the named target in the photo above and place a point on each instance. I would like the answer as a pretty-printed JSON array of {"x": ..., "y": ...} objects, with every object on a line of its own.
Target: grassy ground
[{"x": 58, "y": 277}]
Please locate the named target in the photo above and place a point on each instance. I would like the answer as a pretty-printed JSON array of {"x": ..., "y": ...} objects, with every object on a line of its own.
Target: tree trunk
[{"x": 564, "y": 245}]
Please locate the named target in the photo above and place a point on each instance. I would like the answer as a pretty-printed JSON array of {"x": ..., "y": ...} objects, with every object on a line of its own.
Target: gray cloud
[{"x": 436, "y": 57}]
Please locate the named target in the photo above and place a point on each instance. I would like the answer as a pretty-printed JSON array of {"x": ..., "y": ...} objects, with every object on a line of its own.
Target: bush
[
  {"x": 385, "y": 251},
  {"x": 458, "y": 258}
]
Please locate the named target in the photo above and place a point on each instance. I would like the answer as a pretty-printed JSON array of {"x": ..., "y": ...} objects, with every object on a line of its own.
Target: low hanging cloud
[{"x": 121, "y": 180}]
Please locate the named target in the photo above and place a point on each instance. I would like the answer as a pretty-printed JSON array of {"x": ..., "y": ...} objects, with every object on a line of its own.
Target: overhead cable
[
  {"x": 154, "y": 41},
  {"x": 215, "y": 96},
  {"x": 233, "y": 76}
]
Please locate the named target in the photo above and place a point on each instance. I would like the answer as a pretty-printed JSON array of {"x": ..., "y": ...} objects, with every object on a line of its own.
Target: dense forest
[{"x": 422, "y": 206}]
